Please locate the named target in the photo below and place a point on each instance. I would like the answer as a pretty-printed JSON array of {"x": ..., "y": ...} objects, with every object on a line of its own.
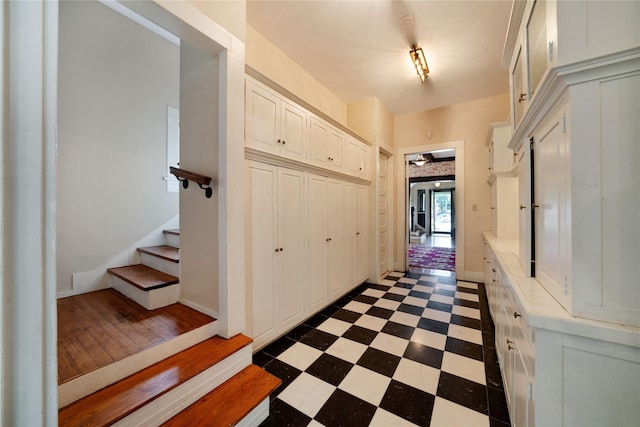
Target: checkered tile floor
[{"x": 416, "y": 350}]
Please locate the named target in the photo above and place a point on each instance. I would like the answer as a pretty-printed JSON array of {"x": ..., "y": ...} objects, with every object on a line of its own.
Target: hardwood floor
[{"x": 99, "y": 328}]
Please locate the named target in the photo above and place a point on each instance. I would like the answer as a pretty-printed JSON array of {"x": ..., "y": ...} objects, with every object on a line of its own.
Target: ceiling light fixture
[
  {"x": 420, "y": 160},
  {"x": 420, "y": 62},
  {"x": 437, "y": 184}
]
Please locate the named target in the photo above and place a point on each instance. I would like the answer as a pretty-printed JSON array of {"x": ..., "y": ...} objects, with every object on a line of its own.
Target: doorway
[{"x": 431, "y": 204}]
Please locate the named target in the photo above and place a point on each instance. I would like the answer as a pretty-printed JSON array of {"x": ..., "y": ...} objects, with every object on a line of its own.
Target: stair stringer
[
  {"x": 91, "y": 382},
  {"x": 171, "y": 403}
]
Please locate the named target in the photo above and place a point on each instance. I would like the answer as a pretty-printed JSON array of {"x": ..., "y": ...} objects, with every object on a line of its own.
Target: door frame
[{"x": 402, "y": 209}]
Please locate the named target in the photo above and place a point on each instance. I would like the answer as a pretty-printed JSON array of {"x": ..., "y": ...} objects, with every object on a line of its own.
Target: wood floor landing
[{"x": 103, "y": 327}]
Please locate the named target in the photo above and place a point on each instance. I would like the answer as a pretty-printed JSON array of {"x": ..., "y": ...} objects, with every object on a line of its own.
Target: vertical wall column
[{"x": 29, "y": 39}]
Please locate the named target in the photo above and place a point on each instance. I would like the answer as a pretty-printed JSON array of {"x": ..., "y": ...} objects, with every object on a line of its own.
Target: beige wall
[
  {"x": 266, "y": 58},
  {"x": 371, "y": 120},
  {"x": 231, "y": 14},
  {"x": 468, "y": 121}
]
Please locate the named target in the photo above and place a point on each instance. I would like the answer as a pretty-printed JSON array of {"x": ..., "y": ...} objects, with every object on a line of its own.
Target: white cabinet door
[
  {"x": 335, "y": 218},
  {"x": 318, "y": 242},
  {"x": 262, "y": 232},
  {"x": 293, "y": 132},
  {"x": 362, "y": 233},
  {"x": 353, "y": 157},
  {"x": 336, "y": 149},
  {"x": 319, "y": 143},
  {"x": 365, "y": 161},
  {"x": 351, "y": 230},
  {"x": 291, "y": 265},
  {"x": 262, "y": 119},
  {"x": 551, "y": 215},
  {"x": 524, "y": 194}
]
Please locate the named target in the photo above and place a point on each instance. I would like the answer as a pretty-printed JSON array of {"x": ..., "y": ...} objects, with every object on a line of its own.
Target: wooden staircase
[
  {"x": 212, "y": 383},
  {"x": 153, "y": 283},
  {"x": 196, "y": 378}
]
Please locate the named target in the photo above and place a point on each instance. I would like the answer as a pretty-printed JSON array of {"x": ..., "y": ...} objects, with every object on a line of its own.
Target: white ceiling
[{"x": 359, "y": 49}]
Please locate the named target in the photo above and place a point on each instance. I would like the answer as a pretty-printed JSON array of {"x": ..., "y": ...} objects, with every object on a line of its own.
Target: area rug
[{"x": 432, "y": 257}]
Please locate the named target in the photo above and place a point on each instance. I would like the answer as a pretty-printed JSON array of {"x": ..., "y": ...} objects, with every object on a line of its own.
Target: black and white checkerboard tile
[{"x": 415, "y": 350}]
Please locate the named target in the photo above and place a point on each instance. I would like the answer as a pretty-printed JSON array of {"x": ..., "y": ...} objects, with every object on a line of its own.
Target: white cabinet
[
  {"x": 327, "y": 145},
  {"x": 501, "y": 158},
  {"x": 358, "y": 158},
  {"x": 356, "y": 226},
  {"x": 275, "y": 125},
  {"x": 504, "y": 184},
  {"x": 276, "y": 255},
  {"x": 525, "y": 210},
  {"x": 544, "y": 353},
  {"x": 547, "y": 33},
  {"x": 326, "y": 241},
  {"x": 551, "y": 204}
]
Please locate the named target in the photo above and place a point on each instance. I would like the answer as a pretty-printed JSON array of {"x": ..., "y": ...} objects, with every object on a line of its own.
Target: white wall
[{"x": 116, "y": 79}]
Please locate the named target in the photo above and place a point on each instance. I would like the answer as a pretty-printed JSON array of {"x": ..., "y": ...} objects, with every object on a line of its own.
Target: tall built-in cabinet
[
  {"x": 503, "y": 181},
  {"x": 564, "y": 294},
  {"x": 276, "y": 243},
  {"x": 307, "y": 213}
]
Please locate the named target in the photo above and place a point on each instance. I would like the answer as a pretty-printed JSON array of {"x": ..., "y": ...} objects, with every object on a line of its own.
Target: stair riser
[
  {"x": 166, "y": 406},
  {"x": 160, "y": 264},
  {"x": 150, "y": 300},
  {"x": 172, "y": 240},
  {"x": 257, "y": 416},
  {"x": 76, "y": 389}
]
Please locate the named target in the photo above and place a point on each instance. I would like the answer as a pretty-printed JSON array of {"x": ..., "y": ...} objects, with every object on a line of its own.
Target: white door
[
  {"x": 524, "y": 195},
  {"x": 335, "y": 217},
  {"x": 318, "y": 242},
  {"x": 290, "y": 253},
  {"x": 336, "y": 149},
  {"x": 292, "y": 132},
  {"x": 319, "y": 143},
  {"x": 262, "y": 119},
  {"x": 262, "y": 223},
  {"x": 362, "y": 254},
  {"x": 351, "y": 228},
  {"x": 383, "y": 216},
  {"x": 353, "y": 157}
]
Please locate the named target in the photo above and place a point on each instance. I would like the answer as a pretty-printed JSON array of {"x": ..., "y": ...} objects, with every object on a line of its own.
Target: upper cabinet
[
  {"x": 501, "y": 158},
  {"x": 281, "y": 130},
  {"x": 550, "y": 33},
  {"x": 275, "y": 125}
]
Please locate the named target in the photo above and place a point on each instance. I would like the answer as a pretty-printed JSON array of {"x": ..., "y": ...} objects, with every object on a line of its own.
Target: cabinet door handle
[
  {"x": 523, "y": 97},
  {"x": 279, "y": 141},
  {"x": 493, "y": 269},
  {"x": 358, "y": 233},
  {"x": 535, "y": 206},
  {"x": 281, "y": 249},
  {"x": 509, "y": 341},
  {"x": 523, "y": 207},
  {"x": 516, "y": 315},
  {"x": 277, "y": 250},
  {"x": 509, "y": 347},
  {"x": 284, "y": 142}
]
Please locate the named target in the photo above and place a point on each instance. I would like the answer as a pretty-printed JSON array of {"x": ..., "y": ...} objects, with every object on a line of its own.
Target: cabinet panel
[
  {"x": 318, "y": 242},
  {"x": 362, "y": 233},
  {"x": 262, "y": 119},
  {"x": 552, "y": 200},
  {"x": 262, "y": 231},
  {"x": 525, "y": 203},
  {"x": 537, "y": 45},
  {"x": 518, "y": 94},
  {"x": 319, "y": 143},
  {"x": 292, "y": 132},
  {"x": 353, "y": 157},
  {"x": 351, "y": 228},
  {"x": 291, "y": 244},
  {"x": 336, "y": 149},
  {"x": 335, "y": 219}
]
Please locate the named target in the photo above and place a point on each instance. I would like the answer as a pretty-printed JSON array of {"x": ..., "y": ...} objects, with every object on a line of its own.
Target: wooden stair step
[
  {"x": 174, "y": 231},
  {"x": 114, "y": 402},
  {"x": 163, "y": 251},
  {"x": 230, "y": 402},
  {"x": 143, "y": 277}
]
